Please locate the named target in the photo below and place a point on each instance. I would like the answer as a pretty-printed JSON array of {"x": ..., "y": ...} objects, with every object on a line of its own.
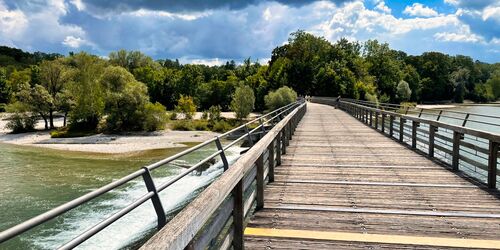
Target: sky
[{"x": 213, "y": 31}]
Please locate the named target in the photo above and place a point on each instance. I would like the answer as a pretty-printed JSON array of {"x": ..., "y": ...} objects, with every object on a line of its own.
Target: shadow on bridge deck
[{"x": 344, "y": 185}]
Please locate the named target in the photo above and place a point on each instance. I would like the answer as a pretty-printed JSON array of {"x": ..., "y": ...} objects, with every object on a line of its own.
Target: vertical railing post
[
  {"x": 465, "y": 120},
  {"x": 391, "y": 125},
  {"x": 456, "y": 149},
  {"x": 278, "y": 149},
  {"x": 383, "y": 123},
  {"x": 155, "y": 199},
  {"x": 432, "y": 132},
  {"x": 262, "y": 129},
  {"x": 260, "y": 181},
  {"x": 376, "y": 120},
  {"x": 371, "y": 118},
  {"x": 283, "y": 140},
  {"x": 492, "y": 164},
  {"x": 414, "y": 127},
  {"x": 238, "y": 216},
  {"x": 249, "y": 136},
  {"x": 271, "y": 161},
  {"x": 401, "y": 128},
  {"x": 222, "y": 154}
]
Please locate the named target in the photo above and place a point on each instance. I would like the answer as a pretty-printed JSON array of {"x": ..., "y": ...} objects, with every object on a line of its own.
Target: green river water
[{"x": 34, "y": 180}]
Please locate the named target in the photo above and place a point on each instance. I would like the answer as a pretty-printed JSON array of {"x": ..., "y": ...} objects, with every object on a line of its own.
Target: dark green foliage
[
  {"x": 21, "y": 120},
  {"x": 280, "y": 97}
]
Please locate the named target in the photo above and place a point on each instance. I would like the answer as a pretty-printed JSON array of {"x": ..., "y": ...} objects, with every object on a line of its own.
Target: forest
[{"x": 132, "y": 91}]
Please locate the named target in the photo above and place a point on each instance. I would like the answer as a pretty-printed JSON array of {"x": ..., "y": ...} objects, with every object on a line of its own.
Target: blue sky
[{"x": 211, "y": 32}]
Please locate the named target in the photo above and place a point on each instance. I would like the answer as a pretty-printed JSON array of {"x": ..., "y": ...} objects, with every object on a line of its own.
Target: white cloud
[
  {"x": 78, "y": 4},
  {"x": 157, "y": 13},
  {"x": 384, "y": 8},
  {"x": 12, "y": 23},
  {"x": 451, "y": 2},
  {"x": 74, "y": 42},
  {"x": 418, "y": 9},
  {"x": 455, "y": 37},
  {"x": 491, "y": 12}
]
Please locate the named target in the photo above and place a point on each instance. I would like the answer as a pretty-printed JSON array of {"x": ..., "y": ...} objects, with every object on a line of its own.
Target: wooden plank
[
  {"x": 313, "y": 208},
  {"x": 364, "y": 183}
]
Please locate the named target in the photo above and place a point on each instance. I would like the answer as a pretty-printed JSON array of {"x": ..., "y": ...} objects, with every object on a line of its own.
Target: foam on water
[{"x": 139, "y": 222}]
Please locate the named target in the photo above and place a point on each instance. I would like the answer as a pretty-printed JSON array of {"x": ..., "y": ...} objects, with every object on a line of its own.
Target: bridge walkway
[{"x": 342, "y": 185}]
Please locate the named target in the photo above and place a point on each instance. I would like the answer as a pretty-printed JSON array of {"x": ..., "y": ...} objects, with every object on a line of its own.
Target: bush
[
  {"x": 186, "y": 106},
  {"x": 214, "y": 113},
  {"x": 200, "y": 125},
  {"x": 21, "y": 120},
  {"x": 155, "y": 117},
  {"x": 173, "y": 115},
  {"x": 68, "y": 133},
  {"x": 221, "y": 126},
  {"x": 243, "y": 101},
  {"x": 183, "y": 125},
  {"x": 204, "y": 115},
  {"x": 280, "y": 97}
]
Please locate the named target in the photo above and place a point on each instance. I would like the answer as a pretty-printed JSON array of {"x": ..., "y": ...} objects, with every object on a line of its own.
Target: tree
[
  {"x": 54, "y": 77},
  {"x": 243, "y": 101},
  {"x": 280, "y": 97},
  {"x": 4, "y": 88},
  {"x": 186, "y": 106},
  {"x": 459, "y": 79},
  {"x": 384, "y": 66},
  {"x": 403, "y": 91},
  {"x": 494, "y": 83},
  {"x": 87, "y": 91}
]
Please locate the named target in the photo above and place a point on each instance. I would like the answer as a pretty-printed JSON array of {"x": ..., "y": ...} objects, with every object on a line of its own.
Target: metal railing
[
  {"x": 456, "y": 117},
  {"x": 216, "y": 218},
  {"x": 472, "y": 151},
  {"x": 251, "y": 131}
]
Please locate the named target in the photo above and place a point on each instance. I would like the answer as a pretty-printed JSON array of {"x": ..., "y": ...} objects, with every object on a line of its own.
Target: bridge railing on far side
[{"x": 469, "y": 150}]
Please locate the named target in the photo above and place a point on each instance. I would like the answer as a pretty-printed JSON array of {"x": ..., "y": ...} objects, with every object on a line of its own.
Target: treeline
[
  {"x": 372, "y": 70},
  {"x": 131, "y": 90}
]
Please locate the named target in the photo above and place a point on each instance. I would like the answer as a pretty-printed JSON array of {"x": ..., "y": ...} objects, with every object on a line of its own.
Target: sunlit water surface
[{"x": 34, "y": 180}]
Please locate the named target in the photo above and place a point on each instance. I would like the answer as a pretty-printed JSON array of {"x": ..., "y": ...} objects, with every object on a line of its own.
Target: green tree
[
  {"x": 87, "y": 91},
  {"x": 494, "y": 83},
  {"x": 54, "y": 78},
  {"x": 280, "y": 97},
  {"x": 4, "y": 88},
  {"x": 459, "y": 79},
  {"x": 403, "y": 92},
  {"x": 384, "y": 65},
  {"x": 186, "y": 106},
  {"x": 243, "y": 101}
]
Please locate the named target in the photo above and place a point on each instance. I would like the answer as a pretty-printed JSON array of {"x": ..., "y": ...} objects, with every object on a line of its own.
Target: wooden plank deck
[{"x": 342, "y": 185}]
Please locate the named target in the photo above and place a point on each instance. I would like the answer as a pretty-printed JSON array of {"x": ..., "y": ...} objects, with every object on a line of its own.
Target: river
[{"x": 34, "y": 180}]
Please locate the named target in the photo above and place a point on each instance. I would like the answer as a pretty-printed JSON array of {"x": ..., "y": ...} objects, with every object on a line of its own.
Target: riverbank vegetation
[{"x": 129, "y": 91}]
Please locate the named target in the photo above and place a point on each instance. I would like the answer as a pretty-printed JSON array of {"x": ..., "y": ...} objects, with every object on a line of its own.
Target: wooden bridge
[
  {"x": 340, "y": 184},
  {"x": 363, "y": 176}
]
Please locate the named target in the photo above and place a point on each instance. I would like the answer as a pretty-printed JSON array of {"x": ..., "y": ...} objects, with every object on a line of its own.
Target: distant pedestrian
[{"x": 337, "y": 102}]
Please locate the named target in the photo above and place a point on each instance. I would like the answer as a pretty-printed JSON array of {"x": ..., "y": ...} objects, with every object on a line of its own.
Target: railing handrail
[
  {"x": 398, "y": 106},
  {"x": 451, "y": 144},
  {"x": 463, "y": 130},
  {"x": 145, "y": 171},
  {"x": 180, "y": 231}
]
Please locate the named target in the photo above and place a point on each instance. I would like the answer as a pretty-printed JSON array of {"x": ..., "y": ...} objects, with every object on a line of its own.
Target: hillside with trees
[{"x": 130, "y": 91}]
